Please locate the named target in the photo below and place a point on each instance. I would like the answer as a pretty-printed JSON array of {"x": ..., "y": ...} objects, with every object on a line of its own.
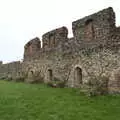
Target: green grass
[{"x": 19, "y": 101}]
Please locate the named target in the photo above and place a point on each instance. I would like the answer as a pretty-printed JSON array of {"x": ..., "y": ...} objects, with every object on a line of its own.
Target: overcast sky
[{"x": 22, "y": 20}]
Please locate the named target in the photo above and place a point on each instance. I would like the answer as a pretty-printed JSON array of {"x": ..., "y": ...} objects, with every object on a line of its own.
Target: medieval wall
[
  {"x": 10, "y": 70},
  {"x": 54, "y": 38},
  {"x": 95, "y": 27},
  {"x": 31, "y": 48},
  {"x": 92, "y": 53}
]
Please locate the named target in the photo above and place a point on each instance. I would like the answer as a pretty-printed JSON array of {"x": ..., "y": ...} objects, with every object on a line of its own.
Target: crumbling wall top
[
  {"x": 94, "y": 27},
  {"x": 53, "y": 38},
  {"x": 31, "y": 48},
  {"x": 90, "y": 31}
]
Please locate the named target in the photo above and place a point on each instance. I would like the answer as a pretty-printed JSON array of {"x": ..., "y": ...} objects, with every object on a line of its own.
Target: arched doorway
[
  {"x": 78, "y": 76},
  {"x": 50, "y": 75}
]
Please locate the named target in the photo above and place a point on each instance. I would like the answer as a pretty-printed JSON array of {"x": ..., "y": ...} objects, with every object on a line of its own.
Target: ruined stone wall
[
  {"x": 92, "y": 54},
  {"x": 54, "y": 38},
  {"x": 92, "y": 31},
  {"x": 40, "y": 70},
  {"x": 31, "y": 48},
  {"x": 95, "y": 27},
  {"x": 10, "y": 70}
]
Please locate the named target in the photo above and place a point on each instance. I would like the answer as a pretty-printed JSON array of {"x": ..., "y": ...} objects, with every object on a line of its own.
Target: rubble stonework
[{"x": 91, "y": 56}]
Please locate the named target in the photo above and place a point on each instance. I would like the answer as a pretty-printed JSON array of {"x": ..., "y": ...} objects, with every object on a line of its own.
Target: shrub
[
  {"x": 2, "y": 78},
  {"x": 19, "y": 79},
  {"x": 9, "y": 77},
  {"x": 56, "y": 84},
  {"x": 61, "y": 84},
  {"x": 52, "y": 84},
  {"x": 98, "y": 86}
]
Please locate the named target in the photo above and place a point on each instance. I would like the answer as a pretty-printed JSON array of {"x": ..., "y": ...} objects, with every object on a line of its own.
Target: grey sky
[{"x": 22, "y": 20}]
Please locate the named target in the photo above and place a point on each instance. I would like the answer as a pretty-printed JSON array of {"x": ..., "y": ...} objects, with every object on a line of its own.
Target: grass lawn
[{"x": 19, "y": 101}]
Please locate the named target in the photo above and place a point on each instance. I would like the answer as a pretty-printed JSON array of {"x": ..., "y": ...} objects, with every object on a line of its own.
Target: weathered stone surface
[
  {"x": 98, "y": 25},
  {"x": 10, "y": 70},
  {"x": 54, "y": 38},
  {"x": 31, "y": 48},
  {"x": 89, "y": 57},
  {"x": 114, "y": 81}
]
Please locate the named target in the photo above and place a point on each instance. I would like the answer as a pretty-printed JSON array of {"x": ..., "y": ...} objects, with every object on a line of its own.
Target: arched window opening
[
  {"x": 18, "y": 73},
  {"x": 51, "y": 40},
  {"x": 78, "y": 75},
  {"x": 31, "y": 72},
  {"x": 89, "y": 30},
  {"x": 50, "y": 75},
  {"x": 30, "y": 50}
]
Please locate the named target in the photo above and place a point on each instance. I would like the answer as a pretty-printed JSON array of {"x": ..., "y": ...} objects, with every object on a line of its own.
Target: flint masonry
[{"x": 93, "y": 51}]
